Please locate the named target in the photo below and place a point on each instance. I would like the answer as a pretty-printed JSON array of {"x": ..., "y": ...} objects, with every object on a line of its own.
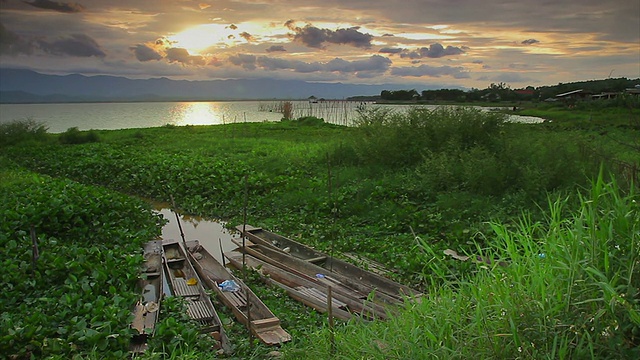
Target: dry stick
[{"x": 173, "y": 203}]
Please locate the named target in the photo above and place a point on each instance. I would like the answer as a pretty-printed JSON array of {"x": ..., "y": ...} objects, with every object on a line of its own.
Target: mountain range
[{"x": 26, "y": 86}]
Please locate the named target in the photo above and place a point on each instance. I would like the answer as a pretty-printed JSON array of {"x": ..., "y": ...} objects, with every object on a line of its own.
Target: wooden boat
[
  {"x": 145, "y": 313},
  {"x": 382, "y": 285},
  {"x": 311, "y": 292},
  {"x": 184, "y": 282},
  {"x": 243, "y": 303}
]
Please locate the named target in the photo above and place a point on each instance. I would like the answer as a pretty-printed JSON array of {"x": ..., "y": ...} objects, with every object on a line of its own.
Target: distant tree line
[{"x": 503, "y": 92}]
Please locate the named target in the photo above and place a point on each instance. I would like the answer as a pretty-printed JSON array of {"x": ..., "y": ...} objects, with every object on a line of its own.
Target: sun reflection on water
[
  {"x": 198, "y": 113},
  {"x": 205, "y": 113}
]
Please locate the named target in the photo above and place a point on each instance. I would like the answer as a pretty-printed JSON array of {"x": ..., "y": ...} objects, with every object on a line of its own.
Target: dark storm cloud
[
  {"x": 180, "y": 55},
  {"x": 430, "y": 71},
  {"x": 530, "y": 42},
  {"x": 275, "y": 48},
  {"x": 78, "y": 45},
  {"x": 56, "y": 6},
  {"x": 145, "y": 53},
  {"x": 374, "y": 64},
  {"x": 433, "y": 51},
  {"x": 315, "y": 37},
  {"x": 12, "y": 43},
  {"x": 390, "y": 50}
]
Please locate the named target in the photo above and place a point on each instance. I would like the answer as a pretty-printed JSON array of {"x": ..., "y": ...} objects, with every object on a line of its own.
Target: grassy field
[{"x": 398, "y": 189}]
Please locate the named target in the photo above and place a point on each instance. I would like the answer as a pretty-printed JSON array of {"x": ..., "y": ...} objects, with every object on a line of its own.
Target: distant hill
[{"x": 26, "y": 86}]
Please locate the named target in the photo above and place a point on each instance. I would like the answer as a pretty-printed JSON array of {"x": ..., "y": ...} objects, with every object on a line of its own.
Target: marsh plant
[{"x": 566, "y": 288}]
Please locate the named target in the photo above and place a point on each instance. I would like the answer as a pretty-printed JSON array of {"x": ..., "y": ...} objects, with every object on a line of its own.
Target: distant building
[
  {"x": 574, "y": 95},
  {"x": 524, "y": 92}
]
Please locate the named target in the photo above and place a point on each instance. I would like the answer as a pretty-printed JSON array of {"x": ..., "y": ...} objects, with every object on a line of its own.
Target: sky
[{"x": 433, "y": 43}]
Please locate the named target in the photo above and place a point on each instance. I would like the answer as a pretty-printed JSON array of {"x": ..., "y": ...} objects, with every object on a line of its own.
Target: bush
[
  {"x": 75, "y": 136},
  {"x": 17, "y": 131},
  {"x": 397, "y": 140}
]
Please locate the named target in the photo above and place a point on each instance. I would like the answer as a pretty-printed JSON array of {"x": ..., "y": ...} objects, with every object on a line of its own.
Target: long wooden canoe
[
  {"x": 382, "y": 285},
  {"x": 350, "y": 285},
  {"x": 311, "y": 292},
  {"x": 184, "y": 282},
  {"x": 145, "y": 313},
  {"x": 243, "y": 303}
]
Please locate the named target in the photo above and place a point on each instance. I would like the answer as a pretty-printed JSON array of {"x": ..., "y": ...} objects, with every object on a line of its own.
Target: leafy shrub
[
  {"x": 75, "y": 136},
  {"x": 21, "y": 130},
  {"x": 78, "y": 296},
  {"x": 395, "y": 140}
]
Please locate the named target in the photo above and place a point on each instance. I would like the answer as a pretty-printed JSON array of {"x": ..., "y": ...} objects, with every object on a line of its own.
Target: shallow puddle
[{"x": 211, "y": 234}]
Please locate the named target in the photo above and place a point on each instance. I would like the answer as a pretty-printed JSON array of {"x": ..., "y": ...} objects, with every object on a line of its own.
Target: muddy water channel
[{"x": 211, "y": 234}]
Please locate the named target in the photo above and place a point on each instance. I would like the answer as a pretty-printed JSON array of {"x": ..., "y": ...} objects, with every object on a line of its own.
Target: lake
[{"x": 111, "y": 116}]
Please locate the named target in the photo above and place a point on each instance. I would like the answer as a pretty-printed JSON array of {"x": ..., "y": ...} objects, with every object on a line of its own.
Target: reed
[{"x": 569, "y": 290}]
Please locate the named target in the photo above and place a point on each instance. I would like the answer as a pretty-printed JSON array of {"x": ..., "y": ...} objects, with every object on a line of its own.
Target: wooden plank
[
  {"x": 182, "y": 289},
  {"x": 264, "y": 323},
  {"x": 198, "y": 310},
  {"x": 317, "y": 259}
]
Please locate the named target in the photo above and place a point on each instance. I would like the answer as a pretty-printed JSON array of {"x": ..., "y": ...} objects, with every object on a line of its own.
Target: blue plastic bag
[{"x": 229, "y": 285}]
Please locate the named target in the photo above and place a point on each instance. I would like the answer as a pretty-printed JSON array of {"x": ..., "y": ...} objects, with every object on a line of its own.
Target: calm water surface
[
  {"x": 211, "y": 234},
  {"x": 111, "y": 116}
]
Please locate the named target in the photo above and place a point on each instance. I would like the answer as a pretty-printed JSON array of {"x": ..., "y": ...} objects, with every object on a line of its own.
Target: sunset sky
[{"x": 441, "y": 43}]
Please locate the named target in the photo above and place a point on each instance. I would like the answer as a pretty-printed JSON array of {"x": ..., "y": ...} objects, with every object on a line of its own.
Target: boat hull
[{"x": 245, "y": 304}]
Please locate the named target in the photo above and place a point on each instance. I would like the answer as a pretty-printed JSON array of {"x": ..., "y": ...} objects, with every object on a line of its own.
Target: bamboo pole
[{"x": 184, "y": 241}]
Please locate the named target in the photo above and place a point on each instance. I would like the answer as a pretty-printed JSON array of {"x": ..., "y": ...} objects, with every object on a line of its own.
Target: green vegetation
[
  {"x": 398, "y": 189},
  {"x": 502, "y": 93}
]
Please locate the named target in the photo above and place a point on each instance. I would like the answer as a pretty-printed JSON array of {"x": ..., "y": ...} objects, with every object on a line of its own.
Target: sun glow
[
  {"x": 199, "y": 38},
  {"x": 204, "y": 37}
]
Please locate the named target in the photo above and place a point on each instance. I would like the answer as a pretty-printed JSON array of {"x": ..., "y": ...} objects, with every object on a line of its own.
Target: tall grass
[{"x": 570, "y": 290}]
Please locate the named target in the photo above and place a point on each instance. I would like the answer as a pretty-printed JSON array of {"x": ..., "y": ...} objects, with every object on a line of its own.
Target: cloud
[
  {"x": 508, "y": 78},
  {"x": 430, "y": 71},
  {"x": 245, "y": 35},
  {"x": 12, "y": 43},
  {"x": 246, "y": 61},
  {"x": 275, "y": 48},
  {"x": 374, "y": 64},
  {"x": 390, "y": 50},
  {"x": 56, "y": 6},
  {"x": 315, "y": 37},
  {"x": 433, "y": 51},
  {"x": 530, "y": 42},
  {"x": 181, "y": 55},
  {"x": 145, "y": 53},
  {"x": 77, "y": 45}
]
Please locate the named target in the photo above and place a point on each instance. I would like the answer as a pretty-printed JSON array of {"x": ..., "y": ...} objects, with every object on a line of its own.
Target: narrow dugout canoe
[{"x": 244, "y": 303}]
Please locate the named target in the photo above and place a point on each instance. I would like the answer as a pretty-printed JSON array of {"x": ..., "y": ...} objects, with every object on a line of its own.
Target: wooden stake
[
  {"x": 184, "y": 241},
  {"x": 332, "y": 340},
  {"x": 35, "y": 253},
  {"x": 222, "y": 253},
  {"x": 246, "y": 295},
  {"x": 244, "y": 228}
]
